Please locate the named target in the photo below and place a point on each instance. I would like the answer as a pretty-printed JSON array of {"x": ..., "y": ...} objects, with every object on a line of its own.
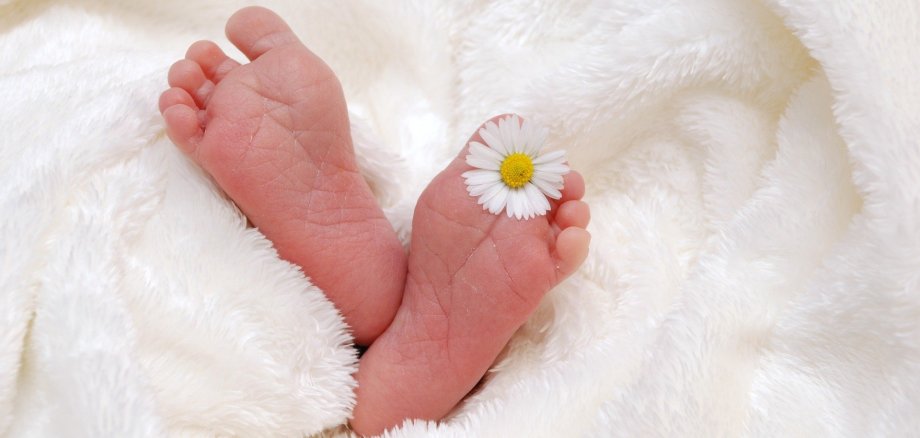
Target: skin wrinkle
[
  {"x": 281, "y": 173},
  {"x": 354, "y": 306},
  {"x": 480, "y": 242},
  {"x": 334, "y": 235},
  {"x": 343, "y": 209},
  {"x": 438, "y": 299},
  {"x": 252, "y": 143},
  {"x": 484, "y": 244},
  {"x": 429, "y": 330},
  {"x": 339, "y": 275},
  {"x": 280, "y": 125},
  {"x": 344, "y": 138},
  {"x": 271, "y": 114},
  {"x": 266, "y": 40},
  {"x": 335, "y": 138},
  {"x": 271, "y": 82},
  {"x": 290, "y": 164},
  {"x": 425, "y": 289},
  {"x": 317, "y": 83},
  {"x": 316, "y": 178},
  {"x": 432, "y": 295},
  {"x": 447, "y": 321},
  {"x": 435, "y": 256},
  {"x": 431, "y": 208},
  {"x": 316, "y": 172},
  {"x": 319, "y": 213},
  {"x": 246, "y": 150},
  {"x": 297, "y": 91},
  {"x": 343, "y": 221},
  {"x": 274, "y": 110},
  {"x": 512, "y": 285},
  {"x": 450, "y": 318},
  {"x": 450, "y": 365}
]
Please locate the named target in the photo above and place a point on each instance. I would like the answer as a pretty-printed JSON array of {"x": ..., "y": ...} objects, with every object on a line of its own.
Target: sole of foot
[
  {"x": 474, "y": 279},
  {"x": 274, "y": 134}
]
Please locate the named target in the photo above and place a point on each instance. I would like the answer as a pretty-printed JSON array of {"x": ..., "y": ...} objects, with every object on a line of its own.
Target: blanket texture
[{"x": 752, "y": 165}]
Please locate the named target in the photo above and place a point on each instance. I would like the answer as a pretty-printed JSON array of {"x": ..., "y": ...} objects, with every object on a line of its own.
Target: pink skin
[
  {"x": 275, "y": 136},
  {"x": 474, "y": 279}
]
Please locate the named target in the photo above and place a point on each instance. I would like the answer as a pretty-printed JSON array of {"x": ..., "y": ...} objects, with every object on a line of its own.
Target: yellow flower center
[{"x": 516, "y": 170}]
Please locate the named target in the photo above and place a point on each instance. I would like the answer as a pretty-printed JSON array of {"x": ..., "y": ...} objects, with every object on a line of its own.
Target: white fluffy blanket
[{"x": 753, "y": 167}]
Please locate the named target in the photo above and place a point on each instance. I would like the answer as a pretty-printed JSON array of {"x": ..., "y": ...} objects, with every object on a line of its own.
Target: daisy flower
[{"x": 510, "y": 173}]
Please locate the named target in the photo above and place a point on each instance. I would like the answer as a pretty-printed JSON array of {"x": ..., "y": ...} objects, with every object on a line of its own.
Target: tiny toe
[
  {"x": 187, "y": 75},
  {"x": 182, "y": 126},
  {"x": 573, "y": 214},
  {"x": 175, "y": 96},
  {"x": 256, "y": 30},
  {"x": 573, "y": 187},
  {"x": 571, "y": 250},
  {"x": 213, "y": 61}
]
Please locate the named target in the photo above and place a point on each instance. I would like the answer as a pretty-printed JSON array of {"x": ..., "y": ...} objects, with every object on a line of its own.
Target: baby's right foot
[
  {"x": 275, "y": 136},
  {"x": 474, "y": 278}
]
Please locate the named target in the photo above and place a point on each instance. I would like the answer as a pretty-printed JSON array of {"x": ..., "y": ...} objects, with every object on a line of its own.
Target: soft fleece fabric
[{"x": 753, "y": 169}]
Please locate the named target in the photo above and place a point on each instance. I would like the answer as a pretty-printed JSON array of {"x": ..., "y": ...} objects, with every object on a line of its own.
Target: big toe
[{"x": 256, "y": 30}]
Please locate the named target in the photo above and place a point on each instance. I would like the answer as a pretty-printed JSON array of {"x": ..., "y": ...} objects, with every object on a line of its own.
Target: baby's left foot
[
  {"x": 274, "y": 134},
  {"x": 474, "y": 279}
]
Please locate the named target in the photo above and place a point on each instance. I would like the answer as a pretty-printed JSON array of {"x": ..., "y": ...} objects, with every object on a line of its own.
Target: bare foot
[
  {"x": 275, "y": 136},
  {"x": 474, "y": 279}
]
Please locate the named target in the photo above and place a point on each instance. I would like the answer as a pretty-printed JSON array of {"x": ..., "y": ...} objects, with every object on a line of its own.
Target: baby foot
[
  {"x": 474, "y": 279},
  {"x": 275, "y": 136}
]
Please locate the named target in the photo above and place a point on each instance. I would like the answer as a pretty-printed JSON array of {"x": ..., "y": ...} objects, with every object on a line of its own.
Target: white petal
[
  {"x": 531, "y": 145},
  {"x": 551, "y": 157},
  {"x": 492, "y": 136},
  {"x": 479, "y": 189},
  {"x": 504, "y": 126},
  {"x": 514, "y": 120},
  {"x": 552, "y": 178},
  {"x": 547, "y": 188},
  {"x": 528, "y": 207},
  {"x": 497, "y": 203},
  {"x": 480, "y": 150},
  {"x": 493, "y": 190},
  {"x": 475, "y": 172},
  {"x": 475, "y": 177},
  {"x": 519, "y": 199},
  {"x": 539, "y": 137},
  {"x": 511, "y": 203},
  {"x": 522, "y": 204},
  {"x": 482, "y": 163},
  {"x": 514, "y": 129},
  {"x": 556, "y": 168},
  {"x": 537, "y": 199},
  {"x": 524, "y": 129}
]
